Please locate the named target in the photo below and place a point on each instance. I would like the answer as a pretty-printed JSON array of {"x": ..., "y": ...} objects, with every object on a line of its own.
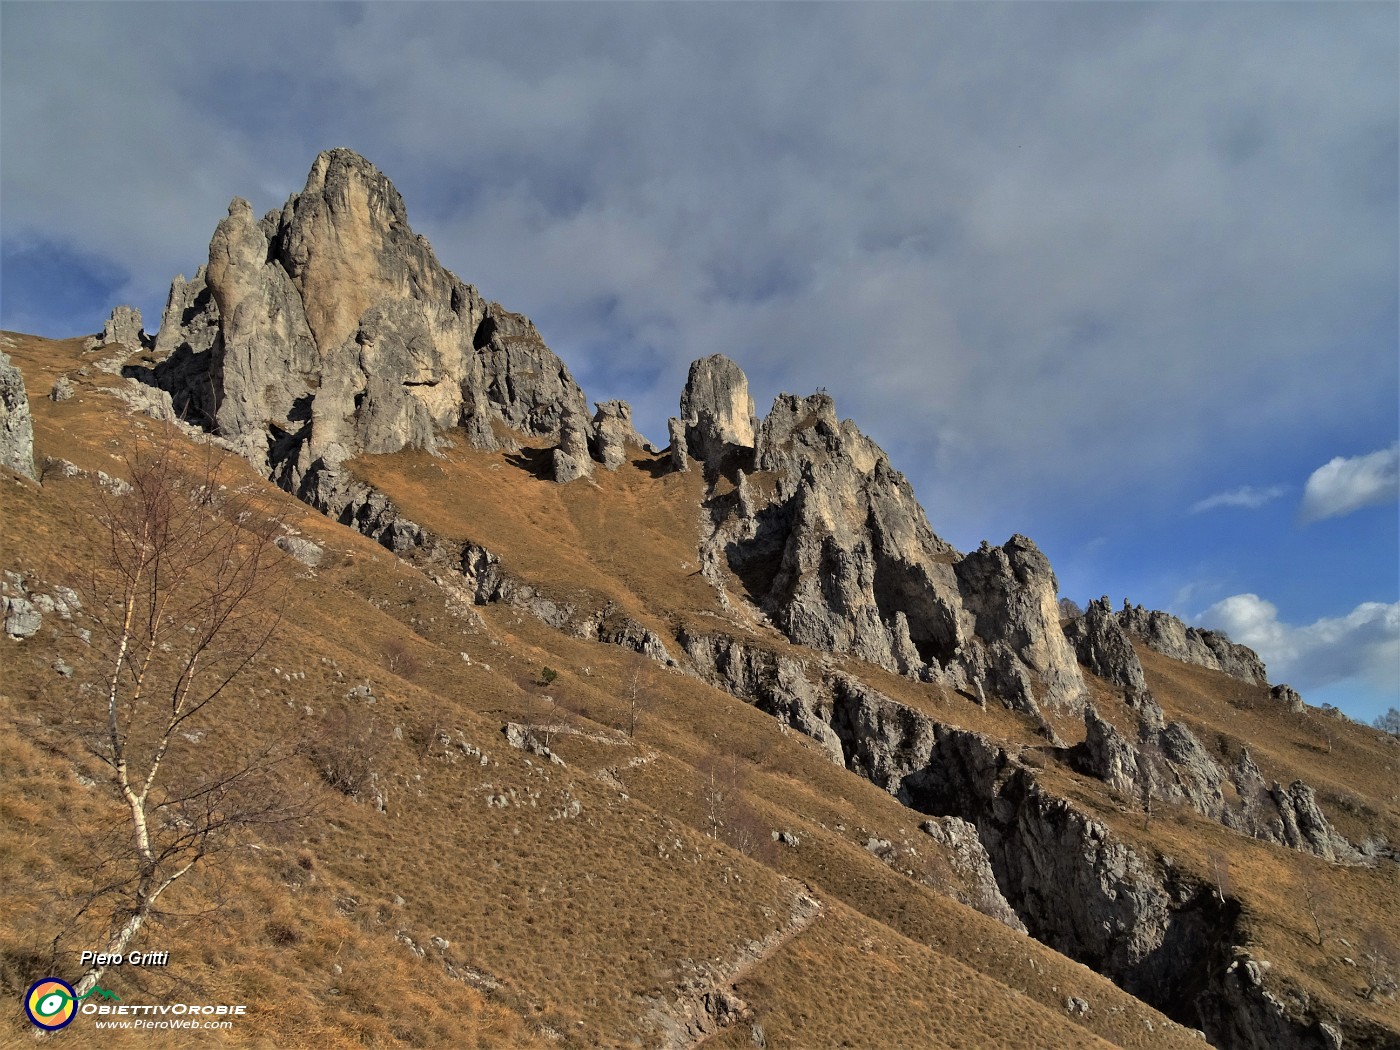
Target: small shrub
[
  {"x": 547, "y": 676},
  {"x": 346, "y": 749}
]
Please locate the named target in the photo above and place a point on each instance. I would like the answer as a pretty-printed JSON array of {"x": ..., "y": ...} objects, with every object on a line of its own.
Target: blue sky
[{"x": 1121, "y": 277}]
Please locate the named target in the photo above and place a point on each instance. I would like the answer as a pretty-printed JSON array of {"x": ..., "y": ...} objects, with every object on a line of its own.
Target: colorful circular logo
[{"x": 51, "y": 1004}]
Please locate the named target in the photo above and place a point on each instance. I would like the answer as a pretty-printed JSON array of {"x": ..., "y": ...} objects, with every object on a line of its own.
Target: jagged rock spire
[
  {"x": 836, "y": 550},
  {"x": 328, "y": 328}
]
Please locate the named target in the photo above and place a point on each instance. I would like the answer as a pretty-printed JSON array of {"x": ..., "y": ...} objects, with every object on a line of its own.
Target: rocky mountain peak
[
  {"x": 716, "y": 409},
  {"x": 828, "y": 539},
  {"x": 328, "y": 328},
  {"x": 346, "y": 244}
]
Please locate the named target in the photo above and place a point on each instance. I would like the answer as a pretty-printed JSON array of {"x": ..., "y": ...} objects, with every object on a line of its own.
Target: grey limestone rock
[
  {"x": 1101, "y": 645},
  {"x": 1305, "y": 826},
  {"x": 613, "y": 433},
  {"x": 977, "y": 886},
  {"x": 328, "y": 329},
  {"x": 22, "y": 619},
  {"x": 16, "y": 423},
  {"x": 570, "y": 459},
  {"x": 717, "y": 410},
  {"x": 303, "y": 550},
  {"x": 679, "y": 450},
  {"x": 781, "y": 686},
  {"x": 62, "y": 389},
  {"x": 124, "y": 327},
  {"x": 1170, "y": 637},
  {"x": 829, "y": 540},
  {"x": 1288, "y": 697},
  {"x": 523, "y": 738},
  {"x": 1107, "y": 754},
  {"x": 1011, "y": 593}
]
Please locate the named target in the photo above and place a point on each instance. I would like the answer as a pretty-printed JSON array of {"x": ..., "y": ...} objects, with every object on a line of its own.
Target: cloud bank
[
  {"x": 1248, "y": 497},
  {"x": 1363, "y": 645},
  {"x": 1041, "y": 253},
  {"x": 1342, "y": 486}
]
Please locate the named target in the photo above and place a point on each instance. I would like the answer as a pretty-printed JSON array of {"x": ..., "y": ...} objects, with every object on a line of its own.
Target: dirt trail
[{"x": 708, "y": 1006}]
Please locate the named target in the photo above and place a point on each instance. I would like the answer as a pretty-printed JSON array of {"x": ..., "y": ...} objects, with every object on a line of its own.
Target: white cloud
[
  {"x": 1363, "y": 645},
  {"x": 1248, "y": 497},
  {"x": 1345, "y": 485}
]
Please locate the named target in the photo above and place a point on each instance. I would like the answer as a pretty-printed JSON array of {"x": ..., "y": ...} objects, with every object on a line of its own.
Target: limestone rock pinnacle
[
  {"x": 328, "y": 328},
  {"x": 16, "y": 423},
  {"x": 716, "y": 409}
]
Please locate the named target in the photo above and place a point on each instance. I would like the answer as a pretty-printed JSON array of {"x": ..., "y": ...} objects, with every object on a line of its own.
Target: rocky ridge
[
  {"x": 328, "y": 330},
  {"x": 1169, "y": 636}
]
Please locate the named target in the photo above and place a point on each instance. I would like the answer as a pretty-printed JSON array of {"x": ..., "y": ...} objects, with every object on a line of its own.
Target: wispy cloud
[
  {"x": 1363, "y": 645},
  {"x": 1345, "y": 485},
  {"x": 1247, "y": 496}
]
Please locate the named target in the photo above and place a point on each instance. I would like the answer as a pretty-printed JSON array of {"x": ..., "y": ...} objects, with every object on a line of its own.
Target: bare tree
[
  {"x": 1381, "y": 959},
  {"x": 640, "y": 699},
  {"x": 185, "y": 595},
  {"x": 399, "y": 659},
  {"x": 1220, "y": 873},
  {"x": 1313, "y": 900},
  {"x": 724, "y": 783}
]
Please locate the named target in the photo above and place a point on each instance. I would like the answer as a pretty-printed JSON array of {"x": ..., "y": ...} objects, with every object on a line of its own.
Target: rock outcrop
[
  {"x": 1101, "y": 645},
  {"x": 570, "y": 459},
  {"x": 716, "y": 410},
  {"x": 16, "y": 423},
  {"x": 1170, "y": 637},
  {"x": 828, "y": 540},
  {"x": 613, "y": 433},
  {"x": 329, "y": 329},
  {"x": 1012, "y": 595},
  {"x": 123, "y": 327},
  {"x": 1168, "y": 763},
  {"x": 1288, "y": 697}
]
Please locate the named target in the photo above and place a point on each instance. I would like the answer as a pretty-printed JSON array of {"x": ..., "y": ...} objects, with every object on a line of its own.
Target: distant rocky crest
[
  {"x": 328, "y": 329},
  {"x": 1170, "y": 637}
]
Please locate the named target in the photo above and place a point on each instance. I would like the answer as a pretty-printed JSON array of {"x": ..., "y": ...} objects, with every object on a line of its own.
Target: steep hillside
[{"x": 595, "y": 744}]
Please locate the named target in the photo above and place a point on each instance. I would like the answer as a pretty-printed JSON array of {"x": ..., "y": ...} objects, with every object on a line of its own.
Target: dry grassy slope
[
  {"x": 587, "y": 922},
  {"x": 583, "y": 920}
]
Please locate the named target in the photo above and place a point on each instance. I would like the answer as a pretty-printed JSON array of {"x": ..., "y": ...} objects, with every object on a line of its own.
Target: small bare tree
[
  {"x": 399, "y": 659},
  {"x": 724, "y": 781},
  {"x": 185, "y": 595},
  {"x": 640, "y": 699},
  {"x": 1220, "y": 873},
  {"x": 1382, "y": 961},
  {"x": 1314, "y": 898}
]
